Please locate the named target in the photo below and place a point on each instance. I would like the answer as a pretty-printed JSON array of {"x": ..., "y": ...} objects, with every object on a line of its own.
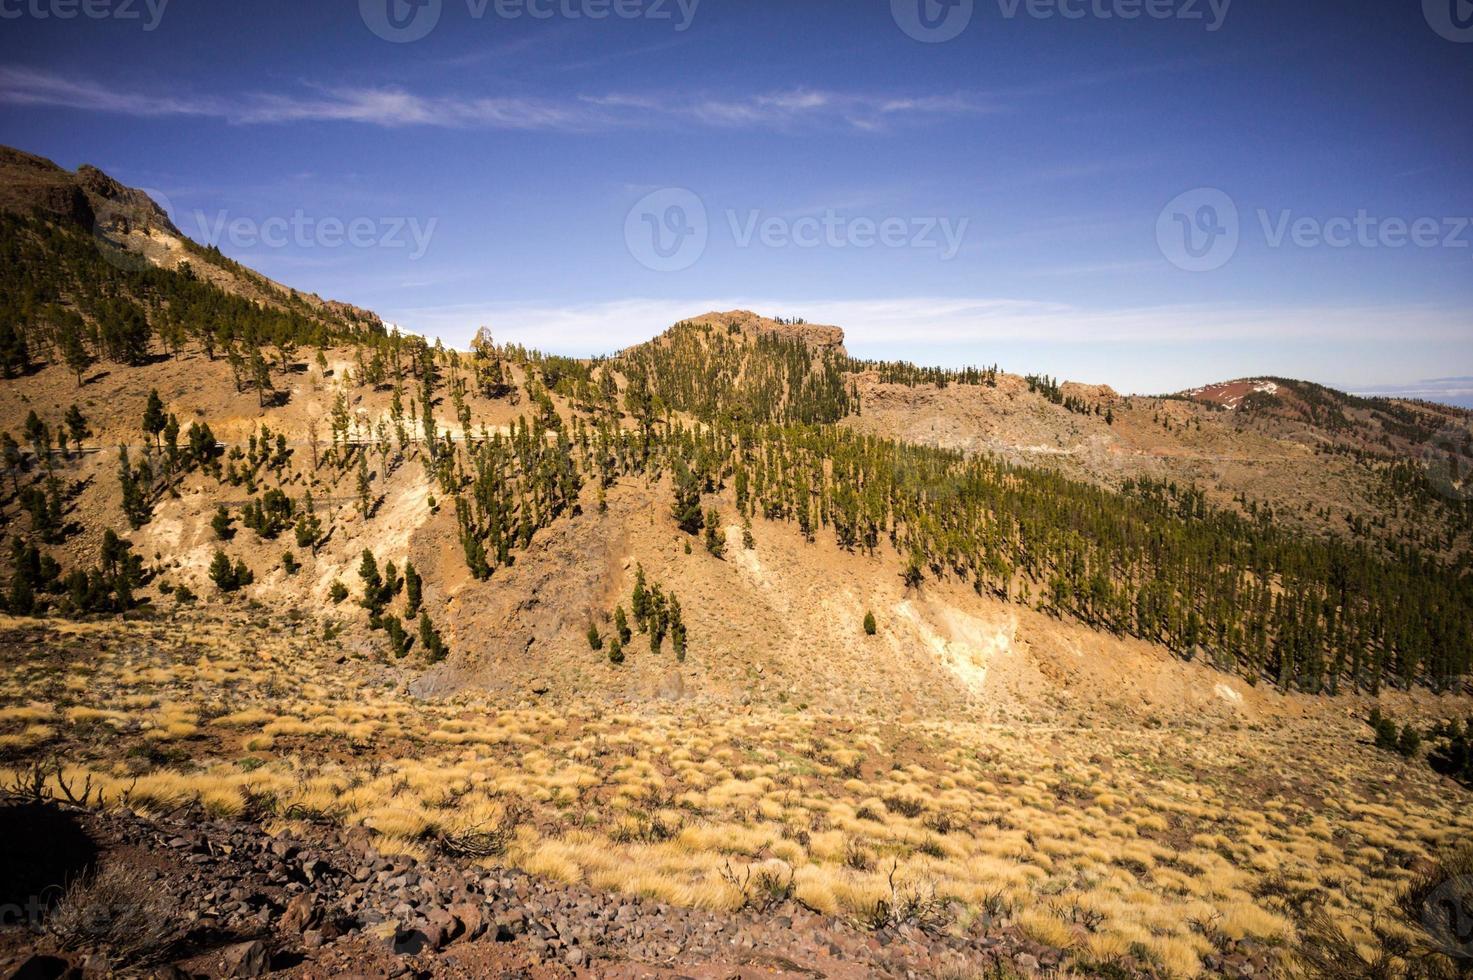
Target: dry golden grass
[{"x": 1169, "y": 844}]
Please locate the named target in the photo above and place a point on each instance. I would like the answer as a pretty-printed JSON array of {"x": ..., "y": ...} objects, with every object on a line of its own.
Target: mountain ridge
[{"x": 131, "y": 227}]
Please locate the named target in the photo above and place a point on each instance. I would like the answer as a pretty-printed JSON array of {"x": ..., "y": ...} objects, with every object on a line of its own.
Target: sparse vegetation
[{"x": 1175, "y": 829}]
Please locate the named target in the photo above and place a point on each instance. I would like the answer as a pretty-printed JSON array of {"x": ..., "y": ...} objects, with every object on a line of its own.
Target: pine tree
[
  {"x": 373, "y": 585},
  {"x": 398, "y": 638},
  {"x": 309, "y": 527},
  {"x": 715, "y": 538},
  {"x": 659, "y": 618},
  {"x": 11, "y": 455},
  {"x": 687, "y": 507},
  {"x": 134, "y": 485},
  {"x": 412, "y": 587},
  {"x": 154, "y": 418},
  {"x": 1409, "y": 741},
  {"x": 261, "y": 376},
  {"x": 616, "y": 651},
  {"x": 913, "y": 576},
  {"x": 1385, "y": 730},
  {"x": 870, "y": 627},
  {"x": 430, "y": 640},
  {"x": 621, "y": 625},
  {"x": 220, "y": 524},
  {"x": 38, "y": 434},
  {"x": 595, "y": 641},
  {"x": 171, "y": 443},
  {"x": 677, "y": 629},
  {"x": 365, "y": 489},
  {"x": 74, "y": 351},
  {"x": 641, "y": 600},
  {"x": 222, "y": 572}
]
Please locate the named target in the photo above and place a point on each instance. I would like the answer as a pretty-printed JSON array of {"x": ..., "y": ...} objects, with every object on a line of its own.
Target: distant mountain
[
  {"x": 1388, "y": 423},
  {"x": 1448, "y": 391}
]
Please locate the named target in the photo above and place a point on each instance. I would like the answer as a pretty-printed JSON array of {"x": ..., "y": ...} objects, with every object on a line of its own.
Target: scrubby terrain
[
  {"x": 1166, "y": 847},
  {"x": 729, "y": 653}
]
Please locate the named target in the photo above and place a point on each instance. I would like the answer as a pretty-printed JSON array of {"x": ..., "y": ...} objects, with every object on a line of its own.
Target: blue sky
[{"x": 1030, "y": 191}]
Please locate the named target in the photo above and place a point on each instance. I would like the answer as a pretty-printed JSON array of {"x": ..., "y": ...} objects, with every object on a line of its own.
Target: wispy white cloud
[
  {"x": 394, "y": 107},
  {"x": 867, "y": 112},
  {"x": 23, "y": 86}
]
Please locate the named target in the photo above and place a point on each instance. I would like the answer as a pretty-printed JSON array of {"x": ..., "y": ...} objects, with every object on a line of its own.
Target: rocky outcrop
[
  {"x": 32, "y": 185},
  {"x": 121, "y": 209},
  {"x": 132, "y": 223},
  {"x": 817, "y": 336}
]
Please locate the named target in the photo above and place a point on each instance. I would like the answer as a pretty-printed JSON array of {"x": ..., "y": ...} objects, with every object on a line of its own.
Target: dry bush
[
  {"x": 910, "y": 904},
  {"x": 1323, "y": 951},
  {"x": 118, "y": 912},
  {"x": 905, "y": 806},
  {"x": 856, "y": 857},
  {"x": 482, "y": 841},
  {"x": 35, "y": 785},
  {"x": 942, "y": 823},
  {"x": 765, "y": 891}
]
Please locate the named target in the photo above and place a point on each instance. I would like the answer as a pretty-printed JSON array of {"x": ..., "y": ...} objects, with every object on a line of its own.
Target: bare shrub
[
  {"x": 118, "y": 912},
  {"x": 33, "y": 785},
  {"x": 482, "y": 840},
  {"x": 910, "y": 903},
  {"x": 905, "y": 806},
  {"x": 764, "y": 891},
  {"x": 931, "y": 847},
  {"x": 1324, "y": 951},
  {"x": 1439, "y": 900},
  {"x": 856, "y": 858},
  {"x": 942, "y": 823}
]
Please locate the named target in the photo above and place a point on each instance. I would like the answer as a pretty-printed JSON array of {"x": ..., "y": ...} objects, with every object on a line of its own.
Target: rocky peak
[{"x": 89, "y": 198}]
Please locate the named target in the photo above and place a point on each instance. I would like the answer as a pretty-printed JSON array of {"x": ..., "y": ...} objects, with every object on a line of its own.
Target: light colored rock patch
[{"x": 963, "y": 644}]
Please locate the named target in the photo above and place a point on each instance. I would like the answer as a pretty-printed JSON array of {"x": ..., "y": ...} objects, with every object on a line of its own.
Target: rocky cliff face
[
  {"x": 118, "y": 208},
  {"x": 133, "y": 227},
  {"x": 32, "y": 185},
  {"x": 816, "y": 336},
  {"x": 88, "y": 199}
]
